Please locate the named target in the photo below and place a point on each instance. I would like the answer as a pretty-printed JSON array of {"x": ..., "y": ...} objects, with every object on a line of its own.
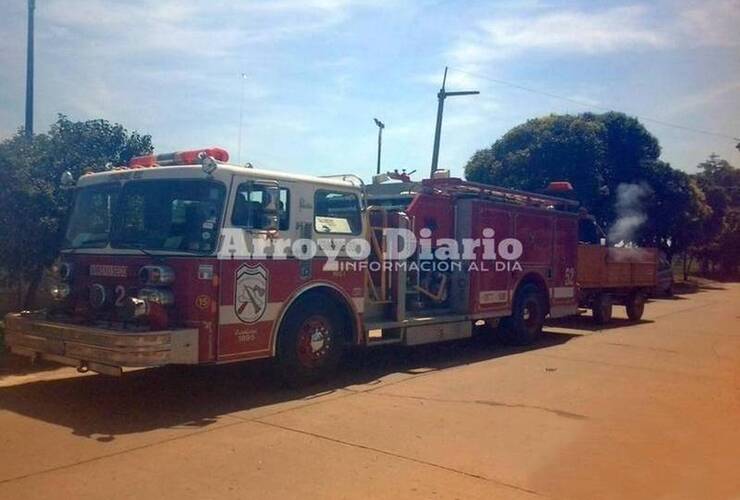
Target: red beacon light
[
  {"x": 192, "y": 157},
  {"x": 559, "y": 187}
]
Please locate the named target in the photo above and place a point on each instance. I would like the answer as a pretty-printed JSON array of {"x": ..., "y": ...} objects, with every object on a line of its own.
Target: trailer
[
  {"x": 186, "y": 259},
  {"x": 609, "y": 276}
]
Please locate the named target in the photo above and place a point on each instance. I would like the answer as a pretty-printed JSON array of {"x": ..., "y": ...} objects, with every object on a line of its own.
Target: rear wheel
[
  {"x": 310, "y": 341},
  {"x": 524, "y": 325},
  {"x": 602, "y": 309},
  {"x": 635, "y": 306}
]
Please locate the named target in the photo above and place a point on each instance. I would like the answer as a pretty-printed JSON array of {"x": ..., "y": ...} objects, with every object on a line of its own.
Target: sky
[{"x": 319, "y": 71}]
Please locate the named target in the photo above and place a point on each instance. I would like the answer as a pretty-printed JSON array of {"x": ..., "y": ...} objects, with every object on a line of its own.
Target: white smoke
[{"x": 630, "y": 212}]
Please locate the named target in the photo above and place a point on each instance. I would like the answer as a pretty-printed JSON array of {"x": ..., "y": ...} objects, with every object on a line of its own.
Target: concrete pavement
[{"x": 636, "y": 410}]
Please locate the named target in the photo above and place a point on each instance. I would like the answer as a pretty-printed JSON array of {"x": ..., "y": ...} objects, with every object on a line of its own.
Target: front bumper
[{"x": 98, "y": 349}]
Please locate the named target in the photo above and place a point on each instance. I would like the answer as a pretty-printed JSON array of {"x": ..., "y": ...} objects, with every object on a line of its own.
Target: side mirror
[
  {"x": 66, "y": 180},
  {"x": 271, "y": 207}
]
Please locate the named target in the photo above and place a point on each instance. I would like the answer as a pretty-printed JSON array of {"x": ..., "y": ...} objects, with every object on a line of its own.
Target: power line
[{"x": 595, "y": 106}]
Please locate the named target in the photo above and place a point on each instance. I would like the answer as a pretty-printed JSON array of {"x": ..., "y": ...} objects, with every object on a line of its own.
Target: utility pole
[
  {"x": 381, "y": 126},
  {"x": 29, "y": 71},
  {"x": 441, "y": 96},
  {"x": 241, "y": 115}
]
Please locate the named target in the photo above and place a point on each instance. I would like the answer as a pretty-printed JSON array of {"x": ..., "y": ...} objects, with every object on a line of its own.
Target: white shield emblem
[{"x": 250, "y": 292}]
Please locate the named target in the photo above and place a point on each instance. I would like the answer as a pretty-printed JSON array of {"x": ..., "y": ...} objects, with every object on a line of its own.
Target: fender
[
  {"x": 533, "y": 277},
  {"x": 349, "y": 302}
]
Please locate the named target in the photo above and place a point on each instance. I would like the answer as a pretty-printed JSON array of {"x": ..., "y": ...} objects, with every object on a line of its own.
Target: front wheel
[
  {"x": 524, "y": 326},
  {"x": 310, "y": 341}
]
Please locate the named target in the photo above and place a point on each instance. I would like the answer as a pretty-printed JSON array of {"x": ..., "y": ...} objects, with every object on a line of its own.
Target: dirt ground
[{"x": 646, "y": 410}]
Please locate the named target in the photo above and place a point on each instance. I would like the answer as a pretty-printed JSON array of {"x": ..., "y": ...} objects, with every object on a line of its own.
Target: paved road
[{"x": 644, "y": 411}]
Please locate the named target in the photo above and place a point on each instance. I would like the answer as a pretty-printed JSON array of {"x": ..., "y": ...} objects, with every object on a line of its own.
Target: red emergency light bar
[
  {"x": 559, "y": 187},
  {"x": 192, "y": 157}
]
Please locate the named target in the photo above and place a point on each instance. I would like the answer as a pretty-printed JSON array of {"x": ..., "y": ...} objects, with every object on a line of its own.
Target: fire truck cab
[{"x": 186, "y": 259}]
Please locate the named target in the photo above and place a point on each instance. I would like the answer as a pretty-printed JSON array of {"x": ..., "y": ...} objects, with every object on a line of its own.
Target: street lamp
[
  {"x": 381, "y": 126},
  {"x": 29, "y": 71},
  {"x": 441, "y": 96}
]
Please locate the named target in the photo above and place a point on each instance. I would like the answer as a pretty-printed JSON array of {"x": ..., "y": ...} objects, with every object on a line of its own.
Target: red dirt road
[{"x": 648, "y": 410}]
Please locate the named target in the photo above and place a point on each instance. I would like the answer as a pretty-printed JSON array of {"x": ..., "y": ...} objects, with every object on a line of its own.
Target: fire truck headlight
[
  {"x": 133, "y": 307},
  {"x": 161, "y": 296},
  {"x": 156, "y": 275},
  {"x": 59, "y": 291},
  {"x": 65, "y": 271}
]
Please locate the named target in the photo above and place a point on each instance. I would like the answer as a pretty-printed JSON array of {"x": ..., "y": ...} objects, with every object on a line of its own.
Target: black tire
[
  {"x": 602, "y": 309},
  {"x": 310, "y": 341},
  {"x": 635, "y": 306},
  {"x": 524, "y": 326}
]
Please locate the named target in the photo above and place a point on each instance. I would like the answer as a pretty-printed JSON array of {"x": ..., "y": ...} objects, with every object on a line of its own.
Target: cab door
[{"x": 252, "y": 290}]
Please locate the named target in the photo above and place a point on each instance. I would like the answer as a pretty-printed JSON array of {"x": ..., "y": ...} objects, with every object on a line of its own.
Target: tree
[
  {"x": 718, "y": 242},
  {"x": 598, "y": 153},
  {"x": 676, "y": 211},
  {"x": 33, "y": 206}
]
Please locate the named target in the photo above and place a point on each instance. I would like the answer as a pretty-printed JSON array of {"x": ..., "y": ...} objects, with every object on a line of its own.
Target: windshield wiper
[
  {"x": 136, "y": 246},
  {"x": 87, "y": 244}
]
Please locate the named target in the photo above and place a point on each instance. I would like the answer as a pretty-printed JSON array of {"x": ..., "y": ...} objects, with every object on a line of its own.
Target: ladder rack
[{"x": 454, "y": 186}]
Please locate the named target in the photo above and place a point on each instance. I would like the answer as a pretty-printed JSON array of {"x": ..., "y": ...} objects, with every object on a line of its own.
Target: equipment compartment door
[
  {"x": 563, "y": 287},
  {"x": 490, "y": 282}
]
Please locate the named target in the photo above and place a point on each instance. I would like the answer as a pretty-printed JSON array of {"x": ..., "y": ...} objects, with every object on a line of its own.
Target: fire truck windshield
[{"x": 169, "y": 215}]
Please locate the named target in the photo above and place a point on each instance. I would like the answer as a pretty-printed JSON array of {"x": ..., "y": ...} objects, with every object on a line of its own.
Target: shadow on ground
[
  {"x": 104, "y": 407},
  {"x": 587, "y": 323},
  {"x": 18, "y": 365},
  {"x": 698, "y": 285}
]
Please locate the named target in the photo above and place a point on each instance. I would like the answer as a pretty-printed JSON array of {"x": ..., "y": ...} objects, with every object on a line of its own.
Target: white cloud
[
  {"x": 589, "y": 32},
  {"x": 713, "y": 22},
  {"x": 131, "y": 61},
  {"x": 567, "y": 31},
  {"x": 573, "y": 31}
]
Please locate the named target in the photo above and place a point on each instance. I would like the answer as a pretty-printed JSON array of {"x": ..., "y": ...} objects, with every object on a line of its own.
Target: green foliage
[
  {"x": 597, "y": 153},
  {"x": 676, "y": 211},
  {"x": 719, "y": 241},
  {"x": 33, "y": 206}
]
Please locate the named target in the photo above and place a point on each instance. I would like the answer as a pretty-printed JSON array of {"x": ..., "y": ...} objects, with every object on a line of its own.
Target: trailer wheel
[
  {"x": 310, "y": 342},
  {"x": 524, "y": 325},
  {"x": 602, "y": 309},
  {"x": 635, "y": 306}
]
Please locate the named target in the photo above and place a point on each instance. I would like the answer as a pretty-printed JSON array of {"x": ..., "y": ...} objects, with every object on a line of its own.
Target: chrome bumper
[{"x": 98, "y": 349}]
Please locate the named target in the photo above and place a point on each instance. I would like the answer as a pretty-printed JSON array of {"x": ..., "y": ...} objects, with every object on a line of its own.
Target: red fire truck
[{"x": 186, "y": 259}]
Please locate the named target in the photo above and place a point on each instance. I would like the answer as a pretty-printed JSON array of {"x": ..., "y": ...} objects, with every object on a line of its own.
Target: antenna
[
  {"x": 441, "y": 96},
  {"x": 241, "y": 119}
]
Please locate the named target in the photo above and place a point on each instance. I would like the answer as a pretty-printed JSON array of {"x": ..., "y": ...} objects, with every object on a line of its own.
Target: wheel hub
[
  {"x": 318, "y": 340},
  {"x": 314, "y": 341}
]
